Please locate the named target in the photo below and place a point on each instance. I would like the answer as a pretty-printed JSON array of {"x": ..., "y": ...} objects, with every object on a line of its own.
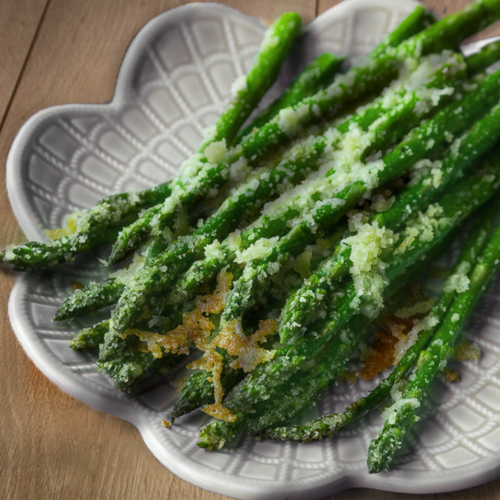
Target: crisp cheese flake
[
  {"x": 70, "y": 229},
  {"x": 246, "y": 349}
]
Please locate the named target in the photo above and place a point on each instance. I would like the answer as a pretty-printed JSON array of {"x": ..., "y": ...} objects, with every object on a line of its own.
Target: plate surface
[{"x": 174, "y": 80}]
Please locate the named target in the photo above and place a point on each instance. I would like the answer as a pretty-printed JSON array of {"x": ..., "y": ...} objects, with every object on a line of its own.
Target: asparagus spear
[
  {"x": 402, "y": 415},
  {"x": 86, "y": 230},
  {"x": 330, "y": 424},
  {"x": 419, "y": 19},
  {"x": 468, "y": 195},
  {"x": 126, "y": 364},
  {"x": 133, "y": 236},
  {"x": 486, "y": 57},
  {"x": 465, "y": 151},
  {"x": 305, "y": 386},
  {"x": 315, "y": 76},
  {"x": 91, "y": 298},
  {"x": 90, "y": 338},
  {"x": 247, "y": 92}
]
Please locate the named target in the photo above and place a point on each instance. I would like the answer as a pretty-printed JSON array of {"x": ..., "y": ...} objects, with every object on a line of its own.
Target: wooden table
[{"x": 52, "y": 446}]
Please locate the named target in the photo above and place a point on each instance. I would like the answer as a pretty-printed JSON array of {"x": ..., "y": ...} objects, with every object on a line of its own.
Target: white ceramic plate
[{"x": 173, "y": 82}]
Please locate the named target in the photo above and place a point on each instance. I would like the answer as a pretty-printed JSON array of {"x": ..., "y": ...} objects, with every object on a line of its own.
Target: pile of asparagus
[{"x": 279, "y": 243}]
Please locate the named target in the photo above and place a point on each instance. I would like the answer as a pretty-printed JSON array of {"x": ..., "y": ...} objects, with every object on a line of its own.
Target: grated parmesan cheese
[
  {"x": 123, "y": 275},
  {"x": 390, "y": 414},
  {"x": 467, "y": 350},
  {"x": 70, "y": 229},
  {"x": 418, "y": 308},
  {"x": 429, "y": 321},
  {"x": 458, "y": 281},
  {"x": 367, "y": 267},
  {"x": 216, "y": 151},
  {"x": 214, "y": 251},
  {"x": 258, "y": 250},
  {"x": 422, "y": 226},
  {"x": 239, "y": 86}
]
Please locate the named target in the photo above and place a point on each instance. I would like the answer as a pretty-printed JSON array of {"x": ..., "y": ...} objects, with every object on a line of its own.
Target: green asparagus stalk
[
  {"x": 124, "y": 362},
  {"x": 265, "y": 68},
  {"x": 90, "y": 338},
  {"x": 486, "y": 57},
  {"x": 217, "y": 433},
  {"x": 402, "y": 415},
  {"x": 464, "y": 152},
  {"x": 315, "y": 76},
  {"x": 133, "y": 236},
  {"x": 305, "y": 386},
  {"x": 86, "y": 230},
  {"x": 328, "y": 425},
  {"x": 91, "y": 298},
  {"x": 468, "y": 195},
  {"x": 418, "y": 20}
]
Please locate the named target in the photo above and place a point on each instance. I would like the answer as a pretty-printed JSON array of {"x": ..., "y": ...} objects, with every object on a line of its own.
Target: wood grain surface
[
  {"x": 52, "y": 446},
  {"x": 19, "y": 23}
]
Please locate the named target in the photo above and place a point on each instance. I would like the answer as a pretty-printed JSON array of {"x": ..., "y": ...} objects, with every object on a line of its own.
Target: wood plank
[
  {"x": 19, "y": 21},
  {"x": 53, "y": 446}
]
